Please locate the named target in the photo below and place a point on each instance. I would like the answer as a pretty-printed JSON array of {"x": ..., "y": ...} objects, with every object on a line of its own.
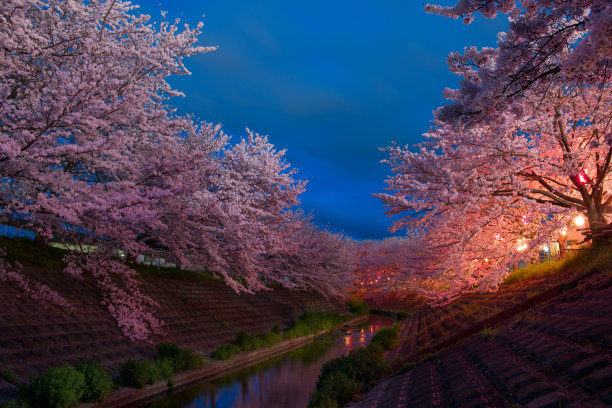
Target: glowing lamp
[
  {"x": 579, "y": 221},
  {"x": 581, "y": 178}
]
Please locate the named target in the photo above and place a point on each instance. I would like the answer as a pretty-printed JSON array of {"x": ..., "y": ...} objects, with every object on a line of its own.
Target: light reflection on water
[{"x": 285, "y": 381}]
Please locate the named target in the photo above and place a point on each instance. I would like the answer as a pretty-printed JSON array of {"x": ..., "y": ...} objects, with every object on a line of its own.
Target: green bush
[
  {"x": 358, "y": 306},
  {"x": 248, "y": 342},
  {"x": 9, "y": 376},
  {"x": 10, "y": 404},
  {"x": 403, "y": 315},
  {"x": 343, "y": 378},
  {"x": 387, "y": 337},
  {"x": 189, "y": 359},
  {"x": 313, "y": 322},
  {"x": 58, "y": 387},
  {"x": 98, "y": 382},
  {"x": 272, "y": 338},
  {"x": 165, "y": 367},
  {"x": 338, "y": 387},
  {"x": 276, "y": 329},
  {"x": 180, "y": 358},
  {"x": 168, "y": 350},
  {"x": 27, "y": 252},
  {"x": 138, "y": 373},
  {"x": 225, "y": 352}
]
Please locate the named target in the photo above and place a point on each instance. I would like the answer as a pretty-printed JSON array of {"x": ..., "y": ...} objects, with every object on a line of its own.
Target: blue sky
[{"x": 330, "y": 81}]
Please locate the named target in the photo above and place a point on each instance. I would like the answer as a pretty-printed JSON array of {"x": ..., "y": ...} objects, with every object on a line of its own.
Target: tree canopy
[
  {"x": 524, "y": 145},
  {"x": 93, "y": 155}
]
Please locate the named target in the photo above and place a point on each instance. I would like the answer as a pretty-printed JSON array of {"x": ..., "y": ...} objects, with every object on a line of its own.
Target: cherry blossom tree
[
  {"x": 524, "y": 146},
  {"x": 92, "y": 156},
  {"x": 83, "y": 96},
  {"x": 313, "y": 258},
  {"x": 548, "y": 42}
]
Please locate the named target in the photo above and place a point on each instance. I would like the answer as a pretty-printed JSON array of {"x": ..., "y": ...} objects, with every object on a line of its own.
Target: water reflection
[{"x": 285, "y": 381}]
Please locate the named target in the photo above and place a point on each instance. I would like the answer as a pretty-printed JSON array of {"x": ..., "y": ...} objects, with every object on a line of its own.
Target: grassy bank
[
  {"x": 310, "y": 322},
  {"x": 69, "y": 385},
  {"x": 577, "y": 262},
  {"x": 345, "y": 378}
]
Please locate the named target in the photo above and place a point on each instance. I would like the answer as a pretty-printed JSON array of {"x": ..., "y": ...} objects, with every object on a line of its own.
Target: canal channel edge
[{"x": 132, "y": 397}]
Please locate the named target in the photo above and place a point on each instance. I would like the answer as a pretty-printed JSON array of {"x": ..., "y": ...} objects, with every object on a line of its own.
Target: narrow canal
[{"x": 285, "y": 381}]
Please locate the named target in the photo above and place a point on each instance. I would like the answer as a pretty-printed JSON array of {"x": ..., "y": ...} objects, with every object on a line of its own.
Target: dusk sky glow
[{"x": 331, "y": 82}]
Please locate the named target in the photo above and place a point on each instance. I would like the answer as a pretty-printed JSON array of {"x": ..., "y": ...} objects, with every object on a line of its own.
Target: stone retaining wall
[{"x": 198, "y": 314}]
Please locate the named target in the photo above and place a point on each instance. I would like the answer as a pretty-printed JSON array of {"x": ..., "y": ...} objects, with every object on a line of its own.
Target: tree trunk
[{"x": 597, "y": 221}]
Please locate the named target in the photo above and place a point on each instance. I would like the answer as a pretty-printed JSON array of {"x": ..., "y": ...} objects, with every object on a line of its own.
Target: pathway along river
[{"x": 285, "y": 381}]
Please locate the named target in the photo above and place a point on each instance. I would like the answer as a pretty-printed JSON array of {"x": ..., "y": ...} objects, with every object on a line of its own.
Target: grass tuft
[
  {"x": 578, "y": 262},
  {"x": 28, "y": 253}
]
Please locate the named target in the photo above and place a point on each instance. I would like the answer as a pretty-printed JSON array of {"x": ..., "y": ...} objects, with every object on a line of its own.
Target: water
[{"x": 284, "y": 382}]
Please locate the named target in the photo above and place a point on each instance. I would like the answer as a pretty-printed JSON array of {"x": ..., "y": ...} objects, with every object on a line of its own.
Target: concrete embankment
[
  {"x": 198, "y": 314},
  {"x": 128, "y": 396}
]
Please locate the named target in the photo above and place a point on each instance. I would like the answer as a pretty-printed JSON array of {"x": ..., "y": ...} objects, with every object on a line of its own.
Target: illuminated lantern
[
  {"x": 579, "y": 221},
  {"x": 581, "y": 178}
]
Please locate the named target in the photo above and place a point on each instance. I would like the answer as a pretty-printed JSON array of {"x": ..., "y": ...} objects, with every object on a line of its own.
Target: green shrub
[
  {"x": 10, "y": 404},
  {"x": 358, "y": 306},
  {"x": 403, "y": 315},
  {"x": 58, "y": 387},
  {"x": 24, "y": 395},
  {"x": 189, "y": 359},
  {"x": 343, "y": 378},
  {"x": 225, "y": 352},
  {"x": 276, "y": 329},
  {"x": 138, "y": 373},
  {"x": 248, "y": 342},
  {"x": 9, "y": 376},
  {"x": 98, "y": 382},
  {"x": 180, "y": 358},
  {"x": 168, "y": 350},
  {"x": 387, "y": 337},
  {"x": 27, "y": 252},
  {"x": 313, "y": 322},
  {"x": 165, "y": 367},
  {"x": 272, "y": 338},
  {"x": 338, "y": 387}
]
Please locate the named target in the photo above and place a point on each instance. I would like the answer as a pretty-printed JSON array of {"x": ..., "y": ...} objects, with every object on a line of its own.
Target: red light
[{"x": 581, "y": 178}]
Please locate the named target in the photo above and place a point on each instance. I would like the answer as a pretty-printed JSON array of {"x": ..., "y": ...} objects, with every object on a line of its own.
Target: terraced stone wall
[{"x": 198, "y": 314}]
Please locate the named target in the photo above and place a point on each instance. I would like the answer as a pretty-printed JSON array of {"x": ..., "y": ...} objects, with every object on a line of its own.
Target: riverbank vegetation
[
  {"x": 344, "y": 378},
  {"x": 310, "y": 322},
  {"x": 69, "y": 385},
  {"x": 66, "y": 387},
  {"x": 247, "y": 342},
  {"x": 577, "y": 262}
]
